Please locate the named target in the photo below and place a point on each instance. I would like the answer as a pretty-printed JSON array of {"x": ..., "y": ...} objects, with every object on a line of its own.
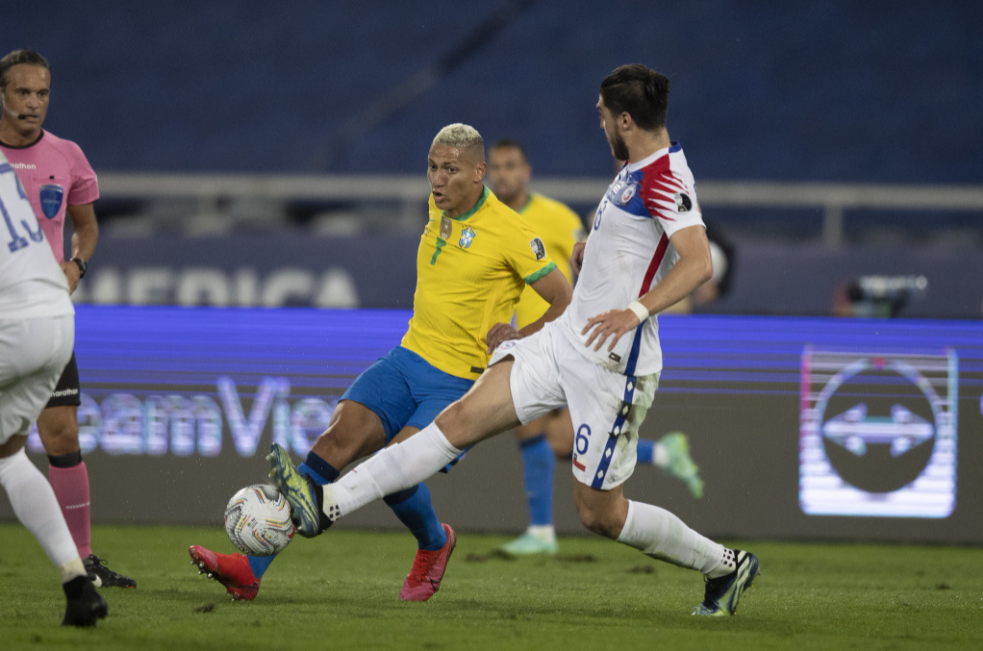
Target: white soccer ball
[{"x": 257, "y": 520}]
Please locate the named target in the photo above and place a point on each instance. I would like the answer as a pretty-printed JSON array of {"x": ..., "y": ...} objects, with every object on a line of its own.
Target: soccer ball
[{"x": 257, "y": 520}]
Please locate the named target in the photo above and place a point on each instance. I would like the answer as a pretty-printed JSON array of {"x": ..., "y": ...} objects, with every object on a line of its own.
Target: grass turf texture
[{"x": 341, "y": 591}]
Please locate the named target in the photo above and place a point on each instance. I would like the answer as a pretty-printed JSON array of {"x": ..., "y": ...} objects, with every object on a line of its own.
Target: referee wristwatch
[{"x": 82, "y": 265}]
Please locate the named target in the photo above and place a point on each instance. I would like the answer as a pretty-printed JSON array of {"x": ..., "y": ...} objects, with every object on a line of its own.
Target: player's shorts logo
[
  {"x": 51, "y": 196},
  {"x": 538, "y": 248},
  {"x": 467, "y": 236},
  {"x": 683, "y": 202},
  {"x": 505, "y": 345}
]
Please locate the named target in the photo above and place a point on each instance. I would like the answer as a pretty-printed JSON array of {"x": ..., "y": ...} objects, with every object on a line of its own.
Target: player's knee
[
  {"x": 354, "y": 430},
  {"x": 61, "y": 437},
  {"x": 598, "y": 520},
  {"x": 453, "y": 420},
  {"x": 562, "y": 448},
  {"x": 341, "y": 438}
]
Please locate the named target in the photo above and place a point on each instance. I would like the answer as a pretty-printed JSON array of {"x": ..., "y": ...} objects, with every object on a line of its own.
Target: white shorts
[
  {"x": 33, "y": 354},
  {"x": 607, "y": 408}
]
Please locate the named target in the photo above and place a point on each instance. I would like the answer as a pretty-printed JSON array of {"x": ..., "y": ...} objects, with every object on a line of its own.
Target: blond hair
[{"x": 462, "y": 136}]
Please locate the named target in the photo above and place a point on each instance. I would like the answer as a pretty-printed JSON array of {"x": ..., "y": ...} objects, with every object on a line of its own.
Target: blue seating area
[{"x": 833, "y": 91}]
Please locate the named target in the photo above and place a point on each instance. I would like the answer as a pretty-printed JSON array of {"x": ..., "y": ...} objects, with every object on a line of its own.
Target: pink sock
[{"x": 71, "y": 486}]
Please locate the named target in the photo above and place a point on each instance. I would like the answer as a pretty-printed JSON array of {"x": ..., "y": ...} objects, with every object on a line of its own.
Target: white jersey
[
  {"x": 32, "y": 285},
  {"x": 629, "y": 252}
]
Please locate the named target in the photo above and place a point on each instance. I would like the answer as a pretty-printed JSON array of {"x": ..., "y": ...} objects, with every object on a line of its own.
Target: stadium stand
[{"x": 766, "y": 90}]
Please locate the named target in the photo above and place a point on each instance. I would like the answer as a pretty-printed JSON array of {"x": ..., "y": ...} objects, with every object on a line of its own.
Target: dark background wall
[{"x": 848, "y": 91}]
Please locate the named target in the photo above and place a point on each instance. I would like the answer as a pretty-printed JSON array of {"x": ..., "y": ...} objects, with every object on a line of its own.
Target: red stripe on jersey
[
  {"x": 660, "y": 254},
  {"x": 657, "y": 181},
  {"x": 671, "y": 188}
]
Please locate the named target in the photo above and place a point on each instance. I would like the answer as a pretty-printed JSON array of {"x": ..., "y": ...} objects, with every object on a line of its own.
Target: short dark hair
[
  {"x": 508, "y": 143},
  {"x": 638, "y": 91},
  {"x": 18, "y": 57}
]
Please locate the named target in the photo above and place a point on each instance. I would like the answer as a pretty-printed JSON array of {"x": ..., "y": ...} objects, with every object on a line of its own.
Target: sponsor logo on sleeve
[
  {"x": 683, "y": 202},
  {"x": 538, "y": 248}
]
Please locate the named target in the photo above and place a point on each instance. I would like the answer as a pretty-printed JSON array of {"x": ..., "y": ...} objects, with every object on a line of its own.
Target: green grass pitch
[{"x": 341, "y": 592}]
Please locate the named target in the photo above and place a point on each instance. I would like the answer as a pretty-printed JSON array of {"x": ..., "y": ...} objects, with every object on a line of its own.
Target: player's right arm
[
  {"x": 85, "y": 235},
  {"x": 555, "y": 290},
  {"x": 693, "y": 268}
]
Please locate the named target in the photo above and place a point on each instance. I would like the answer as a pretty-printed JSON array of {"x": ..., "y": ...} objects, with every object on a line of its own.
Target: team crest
[
  {"x": 538, "y": 248},
  {"x": 623, "y": 191},
  {"x": 683, "y": 202},
  {"x": 51, "y": 198},
  {"x": 627, "y": 194},
  {"x": 467, "y": 236}
]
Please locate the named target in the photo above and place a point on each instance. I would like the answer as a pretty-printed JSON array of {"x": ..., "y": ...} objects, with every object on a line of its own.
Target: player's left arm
[
  {"x": 85, "y": 236},
  {"x": 693, "y": 268},
  {"x": 555, "y": 290}
]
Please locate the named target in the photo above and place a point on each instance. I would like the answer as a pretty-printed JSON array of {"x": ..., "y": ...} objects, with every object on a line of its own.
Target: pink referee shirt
[{"x": 55, "y": 174}]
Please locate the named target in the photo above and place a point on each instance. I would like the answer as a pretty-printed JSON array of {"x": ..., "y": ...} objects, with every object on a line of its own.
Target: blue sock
[
  {"x": 414, "y": 508},
  {"x": 318, "y": 469},
  {"x": 259, "y": 564},
  {"x": 538, "y": 466},
  {"x": 646, "y": 451},
  {"x": 322, "y": 473}
]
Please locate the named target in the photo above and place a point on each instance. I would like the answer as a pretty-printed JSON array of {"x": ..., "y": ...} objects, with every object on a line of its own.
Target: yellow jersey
[
  {"x": 470, "y": 272},
  {"x": 560, "y": 229}
]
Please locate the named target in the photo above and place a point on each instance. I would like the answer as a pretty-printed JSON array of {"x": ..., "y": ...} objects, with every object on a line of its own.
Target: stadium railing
[{"x": 833, "y": 199}]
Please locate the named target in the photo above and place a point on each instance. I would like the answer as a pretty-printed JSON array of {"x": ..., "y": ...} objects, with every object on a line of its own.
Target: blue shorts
[{"x": 403, "y": 389}]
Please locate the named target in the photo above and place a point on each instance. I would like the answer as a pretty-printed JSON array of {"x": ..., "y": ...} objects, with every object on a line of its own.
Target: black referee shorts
[{"x": 66, "y": 393}]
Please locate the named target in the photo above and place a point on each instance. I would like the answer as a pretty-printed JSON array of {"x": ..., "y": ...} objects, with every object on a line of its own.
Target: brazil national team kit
[
  {"x": 560, "y": 228},
  {"x": 470, "y": 273}
]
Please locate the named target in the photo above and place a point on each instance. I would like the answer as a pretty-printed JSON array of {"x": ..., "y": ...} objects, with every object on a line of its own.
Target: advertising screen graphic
[{"x": 878, "y": 434}]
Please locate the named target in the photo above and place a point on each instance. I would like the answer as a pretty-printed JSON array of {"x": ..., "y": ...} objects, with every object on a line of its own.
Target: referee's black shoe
[
  {"x": 103, "y": 577},
  {"x": 84, "y": 605}
]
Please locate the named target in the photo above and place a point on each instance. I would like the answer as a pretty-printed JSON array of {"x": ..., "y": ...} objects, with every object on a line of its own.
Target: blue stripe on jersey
[
  {"x": 616, "y": 432},
  {"x": 636, "y": 346},
  {"x": 675, "y": 147},
  {"x": 626, "y": 193},
  {"x": 5, "y": 167}
]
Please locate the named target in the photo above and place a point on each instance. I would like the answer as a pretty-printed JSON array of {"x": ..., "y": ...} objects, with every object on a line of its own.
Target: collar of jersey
[
  {"x": 527, "y": 204},
  {"x": 28, "y": 145},
  {"x": 645, "y": 162},
  {"x": 475, "y": 208}
]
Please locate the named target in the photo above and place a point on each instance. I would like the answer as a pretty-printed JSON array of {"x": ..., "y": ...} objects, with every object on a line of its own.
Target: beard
[{"x": 618, "y": 147}]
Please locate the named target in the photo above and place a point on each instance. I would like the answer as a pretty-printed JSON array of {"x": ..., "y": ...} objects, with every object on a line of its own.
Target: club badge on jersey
[
  {"x": 467, "y": 236},
  {"x": 52, "y": 196},
  {"x": 624, "y": 191}
]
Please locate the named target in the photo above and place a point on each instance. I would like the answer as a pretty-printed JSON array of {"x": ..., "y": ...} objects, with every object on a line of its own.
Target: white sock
[
  {"x": 660, "y": 457},
  {"x": 393, "y": 469},
  {"x": 660, "y": 534},
  {"x": 37, "y": 508}
]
